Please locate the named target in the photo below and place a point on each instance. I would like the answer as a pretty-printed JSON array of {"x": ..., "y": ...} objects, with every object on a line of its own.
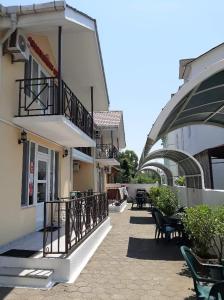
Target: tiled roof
[{"x": 107, "y": 118}]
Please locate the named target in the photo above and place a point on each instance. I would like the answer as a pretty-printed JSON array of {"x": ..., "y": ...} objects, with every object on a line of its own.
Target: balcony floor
[{"x": 129, "y": 264}]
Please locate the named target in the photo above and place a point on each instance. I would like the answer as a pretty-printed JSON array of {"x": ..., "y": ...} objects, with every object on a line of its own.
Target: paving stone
[{"x": 129, "y": 264}]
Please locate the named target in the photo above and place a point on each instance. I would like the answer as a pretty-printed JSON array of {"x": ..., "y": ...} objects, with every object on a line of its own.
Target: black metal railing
[
  {"x": 105, "y": 151},
  {"x": 69, "y": 221},
  {"x": 85, "y": 150},
  {"x": 48, "y": 96}
]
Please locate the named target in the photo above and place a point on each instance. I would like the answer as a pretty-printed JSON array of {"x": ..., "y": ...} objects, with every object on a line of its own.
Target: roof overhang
[
  {"x": 57, "y": 129},
  {"x": 199, "y": 101},
  {"x": 82, "y": 63},
  {"x": 191, "y": 167}
]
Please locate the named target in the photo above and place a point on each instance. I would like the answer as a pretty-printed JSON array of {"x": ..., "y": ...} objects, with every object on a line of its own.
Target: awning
[
  {"x": 198, "y": 101},
  {"x": 162, "y": 167},
  {"x": 191, "y": 168}
]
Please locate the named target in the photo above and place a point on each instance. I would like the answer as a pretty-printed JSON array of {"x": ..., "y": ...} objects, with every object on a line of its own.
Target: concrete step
[{"x": 20, "y": 277}]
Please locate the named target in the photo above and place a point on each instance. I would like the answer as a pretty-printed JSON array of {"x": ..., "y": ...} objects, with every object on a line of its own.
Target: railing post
[
  {"x": 67, "y": 227},
  {"x": 44, "y": 233}
]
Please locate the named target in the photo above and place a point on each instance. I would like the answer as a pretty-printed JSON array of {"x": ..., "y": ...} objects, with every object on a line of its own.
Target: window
[
  {"x": 40, "y": 185},
  {"x": 31, "y": 173},
  {"x": 25, "y": 172}
]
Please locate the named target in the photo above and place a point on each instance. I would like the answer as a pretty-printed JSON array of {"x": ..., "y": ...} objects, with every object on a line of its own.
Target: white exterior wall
[{"x": 194, "y": 139}]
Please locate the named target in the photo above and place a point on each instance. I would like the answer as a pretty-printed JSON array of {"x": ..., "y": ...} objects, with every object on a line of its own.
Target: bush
[
  {"x": 199, "y": 226},
  {"x": 167, "y": 201},
  {"x": 154, "y": 193},
  {"x": 180, "y": 181},
  {"x": 218, "y": 231}
]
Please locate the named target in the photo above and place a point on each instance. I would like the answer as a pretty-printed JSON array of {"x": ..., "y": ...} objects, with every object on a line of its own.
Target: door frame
[{"x": 40, "y": 206}]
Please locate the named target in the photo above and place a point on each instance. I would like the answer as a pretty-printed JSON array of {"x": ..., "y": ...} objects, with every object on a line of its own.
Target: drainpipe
[{"x": 13, "y": 18}]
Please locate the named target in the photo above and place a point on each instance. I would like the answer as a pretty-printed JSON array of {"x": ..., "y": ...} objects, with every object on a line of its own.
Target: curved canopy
[
  {"x": 152, "y": 170},
  {"x": 162, "y": 167},
  {"x": 198, "y": 101},
  {"x": 192, "y": 169}
]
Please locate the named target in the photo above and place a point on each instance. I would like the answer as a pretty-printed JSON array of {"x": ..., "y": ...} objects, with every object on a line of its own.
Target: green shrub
[
  {"x": 167, "y": 201},
  {"x": 180, "y": 181},
  {"x": 154, "y": 194},
  {"x": 218, "y": 228},
  {"x": 199, "y": 226}
]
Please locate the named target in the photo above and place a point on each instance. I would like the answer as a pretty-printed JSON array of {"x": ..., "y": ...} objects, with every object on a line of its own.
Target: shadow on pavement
[
  {"x": 141, "y": 220},
  {"x": 4, "y": 291},
  {"x": 150, "y": 249}
]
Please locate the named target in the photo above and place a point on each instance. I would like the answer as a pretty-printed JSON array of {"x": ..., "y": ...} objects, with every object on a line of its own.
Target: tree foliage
[{"x": 129, "y": 164}]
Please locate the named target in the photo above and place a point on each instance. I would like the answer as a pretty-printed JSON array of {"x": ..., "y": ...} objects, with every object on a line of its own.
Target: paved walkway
[{"x": 127, "y": 265}]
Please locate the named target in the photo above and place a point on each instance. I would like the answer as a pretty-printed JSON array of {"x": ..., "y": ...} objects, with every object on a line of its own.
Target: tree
[{"x": 129, "y": 164}]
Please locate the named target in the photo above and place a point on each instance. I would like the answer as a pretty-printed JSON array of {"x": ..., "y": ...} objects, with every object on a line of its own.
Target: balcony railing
[
  {"x": 69, "y": 221},
  {"x": 105, "y": 151},
  {"x": 85, "y": 150},
  {"x": 45, "y": 96}
]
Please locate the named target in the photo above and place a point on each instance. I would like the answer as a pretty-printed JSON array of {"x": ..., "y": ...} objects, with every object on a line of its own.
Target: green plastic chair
[
  {"x": 204, "y": 275},
  {"x": 217, "y": 291}
]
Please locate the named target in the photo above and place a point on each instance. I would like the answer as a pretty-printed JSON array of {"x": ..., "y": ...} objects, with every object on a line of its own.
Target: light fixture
[
  {"x": 23, "y": 137},
  {"x": 65, "y": 153}
]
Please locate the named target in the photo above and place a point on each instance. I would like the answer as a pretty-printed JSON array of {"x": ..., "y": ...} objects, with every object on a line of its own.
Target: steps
[{"x": 20, "y": 277}]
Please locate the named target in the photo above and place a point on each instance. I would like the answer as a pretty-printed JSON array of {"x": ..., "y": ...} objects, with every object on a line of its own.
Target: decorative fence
[
  {"x": 68, "y": 222},
  {"x": 48, "y": 96}
]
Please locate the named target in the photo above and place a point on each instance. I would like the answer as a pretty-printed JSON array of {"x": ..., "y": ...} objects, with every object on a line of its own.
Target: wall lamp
[
  {"x": 23, "y": 137},
  {"x": 65, "y": 153}
]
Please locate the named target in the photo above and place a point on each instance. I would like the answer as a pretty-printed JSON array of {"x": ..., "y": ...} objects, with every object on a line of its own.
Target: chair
[
  {"x": 217, "y": 291},
  {"x": 162, "y": 227},
  {"x": 204, "y": 275}
]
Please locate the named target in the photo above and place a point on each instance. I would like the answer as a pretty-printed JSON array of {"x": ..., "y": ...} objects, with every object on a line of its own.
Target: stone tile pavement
[{"x": 129, "y": 264}]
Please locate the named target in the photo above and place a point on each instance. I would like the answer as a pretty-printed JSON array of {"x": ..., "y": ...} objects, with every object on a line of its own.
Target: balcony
[
  {"x": 107, "y": 154},
  {"x": 50, "y": 109},
  {"x": 83, "y": 154}
]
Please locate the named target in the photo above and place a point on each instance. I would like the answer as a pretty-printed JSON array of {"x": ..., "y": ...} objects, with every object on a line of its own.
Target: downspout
[{"x": 13, "y": 27}]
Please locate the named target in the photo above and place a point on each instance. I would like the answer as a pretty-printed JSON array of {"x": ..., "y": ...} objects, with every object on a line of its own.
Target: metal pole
[
  {"x": 60, "y": 105},
  {"x": 92, "y": 107}
]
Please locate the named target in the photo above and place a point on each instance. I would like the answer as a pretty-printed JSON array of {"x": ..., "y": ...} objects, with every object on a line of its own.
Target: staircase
[{"x": 19, "y": 277}]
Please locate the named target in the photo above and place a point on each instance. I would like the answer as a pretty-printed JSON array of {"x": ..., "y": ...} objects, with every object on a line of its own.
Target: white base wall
[
  {"x": 117, "y": 209},
  {"x": 66, "y": 269},
  {"x": 132, "y": 187},
  {"x": 191, "y": 197}
]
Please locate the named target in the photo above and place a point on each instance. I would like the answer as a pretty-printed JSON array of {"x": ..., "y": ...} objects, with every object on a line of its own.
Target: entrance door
[{"x": 42, "y": 187}]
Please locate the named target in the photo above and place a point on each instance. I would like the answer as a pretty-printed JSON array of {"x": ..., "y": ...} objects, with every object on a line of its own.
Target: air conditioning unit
[
  {"x": 97, "y": 134},
  {"x": 76, "y": 166},
  {"x": 107, "y": 170},
  {"x": 17, "y": 46}
]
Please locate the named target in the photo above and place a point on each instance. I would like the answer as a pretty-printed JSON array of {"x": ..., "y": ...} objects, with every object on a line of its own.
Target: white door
[{"x": 42, "y": 187}]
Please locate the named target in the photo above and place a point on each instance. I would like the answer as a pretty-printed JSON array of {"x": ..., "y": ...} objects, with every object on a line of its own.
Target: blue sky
[{"x": 142, "y": 42}]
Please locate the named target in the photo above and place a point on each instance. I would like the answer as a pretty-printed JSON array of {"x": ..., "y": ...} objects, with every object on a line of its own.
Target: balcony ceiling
[
  {"x": 58, "y": 129},
  {"x": 108, "y": 161}
]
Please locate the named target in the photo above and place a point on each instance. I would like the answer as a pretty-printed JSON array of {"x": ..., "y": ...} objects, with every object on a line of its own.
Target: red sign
[{"x": 42, "y": 56}]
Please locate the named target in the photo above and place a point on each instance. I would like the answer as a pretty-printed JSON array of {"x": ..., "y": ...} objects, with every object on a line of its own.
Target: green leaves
[
  {"x": 205, "y": 227},
  {"x": 167, "y": 201},
  {"x": 129, "y": 163}
]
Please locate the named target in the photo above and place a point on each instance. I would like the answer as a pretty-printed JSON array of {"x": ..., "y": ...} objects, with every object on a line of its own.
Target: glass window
[
  {"x": 42, "y": 149},
  {"x": 42, "y": 170},
  {"x": 31, "y": 173},
  {"x": 56, "y": 177},
  {"x": 41, "y": 192},
  {"x": 25, "y": 172},
  {"x": 52, "y": 175}
]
